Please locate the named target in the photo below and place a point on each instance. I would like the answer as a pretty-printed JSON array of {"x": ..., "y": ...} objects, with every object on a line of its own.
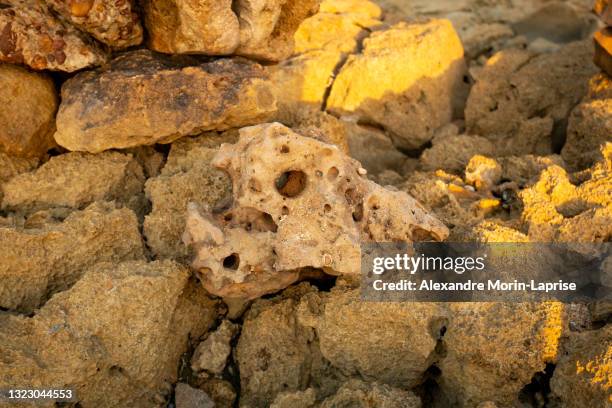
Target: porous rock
[
  {"x": 75, "y": 180},
  {"x": 148, "y": 98},
  {"x": 30, "y": 34},
  {"x": 211, "y": 354},
  {"x": 521, "y": 102},
  {"x": 203, "y": 27},
  {"x": 298, "y": 203},
  {"x": 407, "y": 73},
  {"x": 590, "y": 124},
  {"x": 267, "y": 27},
  {"x": 494, "y": 349},
  {"x": 187, "y": 176},
  {"x": 47, "y": 255},
  {"x": 113, "y": 23},
  {"x": 115, "y": 337},
  {"x": 583, "y": 375},
  {"x": 27, "y": 119}
]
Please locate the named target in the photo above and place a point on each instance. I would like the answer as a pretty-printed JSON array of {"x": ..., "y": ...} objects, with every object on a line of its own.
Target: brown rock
[
  {"x": 392, "y": 82},
  {"x": 48, "y": 255},
  {"x": 148, "y": 99},
  {"x": 211, "y": 354},
  {"x": 521, "y": 102},
  {"x": 276, "y": 353},
  {"x": 494, "y": 349},
  {"x": 27, "y": 121},
  {"x": 116, "y": 337},
  {"x": 220, "y": 391},
  {"x": 590, "y": 124},
  {"x": 75, "y": 180},
  {"x": 603, "y": 49},
  {"x": 583, "y": 375},
  {"x": 30, "y": 34},
  {"x": 267, "y": 27},
  {"x": 298, "y": 203},
  {"x": 188, "y": 176},
  {"x": 183, "y": 26},
  {"x": 452, "y": 152},
  {"x": 393, "y": 343},
  {"x": 359, "y": 394},
  {"x": 295, "y": 399},
  {"x": 11, "y": 166},
  {"x": 113, "y": 23},
  {"x": 186, "y": 396},
  {"x": 374, "y": 149}
]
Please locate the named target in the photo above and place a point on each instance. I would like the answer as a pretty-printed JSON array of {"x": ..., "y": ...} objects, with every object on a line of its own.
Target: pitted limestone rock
[{"x": 298, "y": 203}]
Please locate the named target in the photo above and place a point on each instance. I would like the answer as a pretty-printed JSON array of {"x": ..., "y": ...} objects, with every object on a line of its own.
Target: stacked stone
[{"x": 603, "y": 38}]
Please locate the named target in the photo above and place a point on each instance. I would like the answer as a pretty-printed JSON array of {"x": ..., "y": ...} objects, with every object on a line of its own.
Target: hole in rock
[
  {"x": 419, "y": 234},
  {"x": 284, "y": 149},
  {"x": 291, "y": 183},
  {"x": 358, "y": 213},
  {"x": 327, "y": 208},
  {"x": 537, "y": 392},
  {"x": 285, "y": 210},
  {"x": 332, "y": 173},
  {"x": 231, "y": 262}
]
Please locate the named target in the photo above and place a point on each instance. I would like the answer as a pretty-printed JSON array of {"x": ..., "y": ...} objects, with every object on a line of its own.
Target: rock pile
[{"x": 274, "y": 137}]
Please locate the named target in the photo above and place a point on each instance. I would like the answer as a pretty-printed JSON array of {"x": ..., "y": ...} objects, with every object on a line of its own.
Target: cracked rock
[
  {"x": 522, "y": 102},
  {"x": 30, "y": 34},
  {"x": 115, "y": 337},
  {"x": 27, "y": 120},
  {"x": 409, "y": 73},
  {"x": 47, "y": 255},
  {"x": 75, "y": 180},
  {"x": 149, "y": 98},
  {"x": 298, "y": 203},
  {"x": 113, "y": 23}
]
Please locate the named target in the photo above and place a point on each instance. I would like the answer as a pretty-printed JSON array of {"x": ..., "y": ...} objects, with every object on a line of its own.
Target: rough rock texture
[
  {"x": 494, "y": 349},
  {"x": 452, "y": 152},
  {"x": 27, "y": 123},
  {"x": 296, "y": 399},
  {"x": 211, "y": 354},
  {"x": 148, "y": 99},
  {"x": 275, "y": 353},
  {"x": 359, "y": 394},
  {"x": 186, "y": 396},
  {"x": 393, "y": 343},
  {"x": 298, "y": 203},
  {"x": 11, "y": 166},
  {"x": 583, "y": 375},
  {"x": 30, "y": 34},
  {"x": 183, "y": 26},
  {"x": 407, "y": 73},
  {"x": 47, "y": 255},
  {"x": 114, "y": 337},
  {"x": 220, "y": 391},
  {"x": 113, "y": 23},
  {"x": 374, "y": 149},
  {"x": 590, "y": 124},
  {"x": 267, "y": 27},
  {"x": 555, "y": 209},
  {"x": 603, "y": 49},
  {"x": 188, "y": 176},
  {"x": 521, "y": 102},
  {"x": 75, "y": 180}
]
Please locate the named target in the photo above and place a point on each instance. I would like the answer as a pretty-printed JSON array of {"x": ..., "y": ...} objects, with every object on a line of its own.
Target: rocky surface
[
  {"x": 407, "y": 87},
  {"x": 113, "y": 23},
  {"x": 211, "y": 355},
  {"x": 153, "y": 99},
  {"x": 59, "y": 249},
  {"x": 188, "y": 176},
  {"x": 30, "y": 34},
  {"x": 75, "y": 180},
  {"x": 73, "y": 340},
  {"x": 298, "y": 203},
  {"x": 590, "y": 124},
  {"x": 521, "y": 101},
  {"x": 27, "y": 123}
]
